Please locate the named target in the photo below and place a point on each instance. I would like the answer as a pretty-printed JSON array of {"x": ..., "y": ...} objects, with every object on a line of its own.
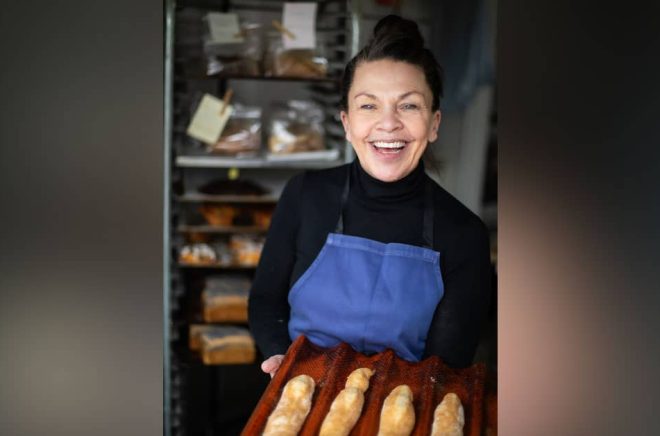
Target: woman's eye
[
  {"x": 367, "y": 106},
  {"x": 409, "y": 106}
]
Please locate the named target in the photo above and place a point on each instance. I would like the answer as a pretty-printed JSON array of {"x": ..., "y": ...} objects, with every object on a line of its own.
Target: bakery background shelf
[
  {"x": 301, "y": 162},
  {"x": 220, "y": 229},
  {"x": 204, "y": 198},
  {"x": 264, "y": 78},
  {"x": 218, "y": 266},
  {"x": 217, "y": 399}
]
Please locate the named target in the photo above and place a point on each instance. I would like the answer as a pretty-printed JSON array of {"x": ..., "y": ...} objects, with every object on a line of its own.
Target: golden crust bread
[
  {"x": 448, "y": 417},
  {"x": 343, "y": 414},
  {"x": 359, "y": 379},
  {"x": 397, "y": 417},
  {"x": 347, "y": 405},
  {"x": 292, "y": 408}
]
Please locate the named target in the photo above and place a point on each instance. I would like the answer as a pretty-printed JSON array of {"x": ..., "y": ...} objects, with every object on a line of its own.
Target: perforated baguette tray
[{"x": 429, "y": 381}]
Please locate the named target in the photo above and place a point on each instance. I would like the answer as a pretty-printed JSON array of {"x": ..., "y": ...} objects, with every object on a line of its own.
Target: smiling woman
[
  {"x": 374, "y": 253},
  {"x": 389, "y": 120}
]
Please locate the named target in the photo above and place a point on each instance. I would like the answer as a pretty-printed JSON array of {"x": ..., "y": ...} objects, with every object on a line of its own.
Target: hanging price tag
[
  {"x": 299, "y": 20},
  {"x": 224, "y": 28},
  {"x": 210, "y": 119}
]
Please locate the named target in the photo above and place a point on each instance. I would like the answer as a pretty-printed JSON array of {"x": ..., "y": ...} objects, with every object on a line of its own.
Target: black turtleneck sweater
[{"x": 383, "y": 211}]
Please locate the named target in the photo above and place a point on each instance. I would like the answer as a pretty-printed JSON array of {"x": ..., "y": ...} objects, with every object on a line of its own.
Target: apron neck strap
[
  {"x": 339, "y": 228},
  {"x": 427, "y": 226}
]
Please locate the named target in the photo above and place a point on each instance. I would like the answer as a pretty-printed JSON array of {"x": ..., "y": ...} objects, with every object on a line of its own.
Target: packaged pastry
[
  {"x": 218, "y": 214},
  {"x": 296, "y": 126},
  {"x": 227, "y": 345},
  {"x": 225, "y": 299},
  {"x": 246, "y": 249},
  {"x": 240, "y": 58},
  {"x": 303, "y": 63},
  {"x": 241, "y": 136},
  {"x": 223, "y": 253},
  {"x": 197, "y": 253}
]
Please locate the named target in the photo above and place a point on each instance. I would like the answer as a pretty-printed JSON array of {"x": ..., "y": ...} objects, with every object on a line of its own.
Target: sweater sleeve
[
  {"x": 268, "y": 307},
  {"x": 457, "y": 323}
]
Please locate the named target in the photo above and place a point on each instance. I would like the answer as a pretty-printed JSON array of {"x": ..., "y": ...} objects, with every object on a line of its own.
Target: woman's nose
[{"x": 389, "y": 120}]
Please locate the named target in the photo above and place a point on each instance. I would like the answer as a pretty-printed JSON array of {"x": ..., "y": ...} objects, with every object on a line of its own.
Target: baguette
[{"x": 292, "y": 408}]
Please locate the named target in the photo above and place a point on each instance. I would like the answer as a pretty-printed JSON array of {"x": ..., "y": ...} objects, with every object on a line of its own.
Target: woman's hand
[{"x": 272, "y": 364}]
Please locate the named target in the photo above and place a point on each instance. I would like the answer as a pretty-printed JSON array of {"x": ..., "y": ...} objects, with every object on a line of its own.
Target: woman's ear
[
  {"x": 345, "y": 123},
  {"x": 435, "y": 124}
]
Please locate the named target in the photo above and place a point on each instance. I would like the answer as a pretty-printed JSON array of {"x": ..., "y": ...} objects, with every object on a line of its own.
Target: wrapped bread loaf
[
  {"x": 195, "y": 332},
  {"x": 346, "y": 408},
  {"x": 292, "y": 408},
  {"x": 448, "y": 418},
  {"x": 225, "y": 299},
  {"x": 227, "y": 345},
  {"x": 397, "y": 417}
]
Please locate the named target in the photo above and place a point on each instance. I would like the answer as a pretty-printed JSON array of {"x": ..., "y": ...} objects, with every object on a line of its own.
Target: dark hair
[{"x": 398, "y": 39}]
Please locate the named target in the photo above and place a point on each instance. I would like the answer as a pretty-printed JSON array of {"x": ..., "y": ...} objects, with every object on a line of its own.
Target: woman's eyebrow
[
  {"x": 409, "y": 93},
  {"x": 373, "y": 97},
  {"x": 365, "y": 94}
]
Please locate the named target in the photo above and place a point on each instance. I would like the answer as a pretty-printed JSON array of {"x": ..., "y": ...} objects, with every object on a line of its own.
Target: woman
[{"x": 374, "y": 253}]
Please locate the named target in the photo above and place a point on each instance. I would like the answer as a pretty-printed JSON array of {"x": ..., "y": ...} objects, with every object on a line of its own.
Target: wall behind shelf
[{"x": 81, "y": 223}]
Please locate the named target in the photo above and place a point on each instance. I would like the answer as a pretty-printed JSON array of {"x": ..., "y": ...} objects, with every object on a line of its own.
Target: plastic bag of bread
[
  {"x": 227, "y": 345},
  {"x": 281, "y": 62},
  {"x": 241, "y": 136},
  {"x": 225, "y": 298},
  {"x": 246, "y": 249},
  {"x": 241, "y": 57},
  {"x": 197, "y": 253},
  {"x": 296, "y": 126}
]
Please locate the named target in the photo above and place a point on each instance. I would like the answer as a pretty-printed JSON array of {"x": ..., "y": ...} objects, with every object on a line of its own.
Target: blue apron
[{"x": 369, "y": 294}]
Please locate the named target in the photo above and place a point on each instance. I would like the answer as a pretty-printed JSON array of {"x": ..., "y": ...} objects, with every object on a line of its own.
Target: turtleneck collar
[{"x": 401, "y": 189}]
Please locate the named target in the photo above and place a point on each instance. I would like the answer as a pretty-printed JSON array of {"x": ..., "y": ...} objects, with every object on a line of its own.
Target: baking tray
[{"x": 429, "y": 381}]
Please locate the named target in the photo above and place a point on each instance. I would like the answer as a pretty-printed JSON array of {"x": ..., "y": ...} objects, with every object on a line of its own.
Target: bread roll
[
  {"x": 397, "y": 417},
  {"x": 292, "y": 408},
  {"x": 448, "y": 418},
  {"x": 346, "y": 408},
  {"x": 359, "y": 379}
]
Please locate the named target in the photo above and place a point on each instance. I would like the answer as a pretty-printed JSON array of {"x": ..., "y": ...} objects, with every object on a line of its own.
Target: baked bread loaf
[
  {"x": 359, "y": 379},
  {"x": 346, "y": 408},
  {"x": 227, "y": 345},
  {"x": 225, "y": 299},
  {"x": 397, "y": 417},
  {"x": 292, "y": 408},
  {"x": 195, "y": 332},
  {"x": 448, "y": 417}
]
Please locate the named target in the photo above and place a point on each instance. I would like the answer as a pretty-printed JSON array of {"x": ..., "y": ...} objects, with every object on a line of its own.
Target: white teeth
[{"x": 396, "y": 144}]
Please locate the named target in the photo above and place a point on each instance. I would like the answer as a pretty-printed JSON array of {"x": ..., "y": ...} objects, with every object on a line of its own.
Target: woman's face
[{"x": 389, "y": 120}]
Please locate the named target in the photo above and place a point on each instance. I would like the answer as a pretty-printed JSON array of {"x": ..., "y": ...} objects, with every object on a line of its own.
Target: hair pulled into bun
[
  {"x": 398, "y": 39},
  {"x": 393, "y": 29}
]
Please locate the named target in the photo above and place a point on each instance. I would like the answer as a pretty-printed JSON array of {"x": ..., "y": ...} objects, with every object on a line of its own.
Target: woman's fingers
[{"x": 272, "y": 364}]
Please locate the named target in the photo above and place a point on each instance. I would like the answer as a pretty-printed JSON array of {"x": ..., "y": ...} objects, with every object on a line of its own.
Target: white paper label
[
  {"x": 300, "y": 19},
  {"x": 224, "y": 28},
  {"x": 207, "y": 124}
]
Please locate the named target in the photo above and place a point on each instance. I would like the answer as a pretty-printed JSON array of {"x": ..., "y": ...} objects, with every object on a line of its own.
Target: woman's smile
[{"x": 389, "y": 147}]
